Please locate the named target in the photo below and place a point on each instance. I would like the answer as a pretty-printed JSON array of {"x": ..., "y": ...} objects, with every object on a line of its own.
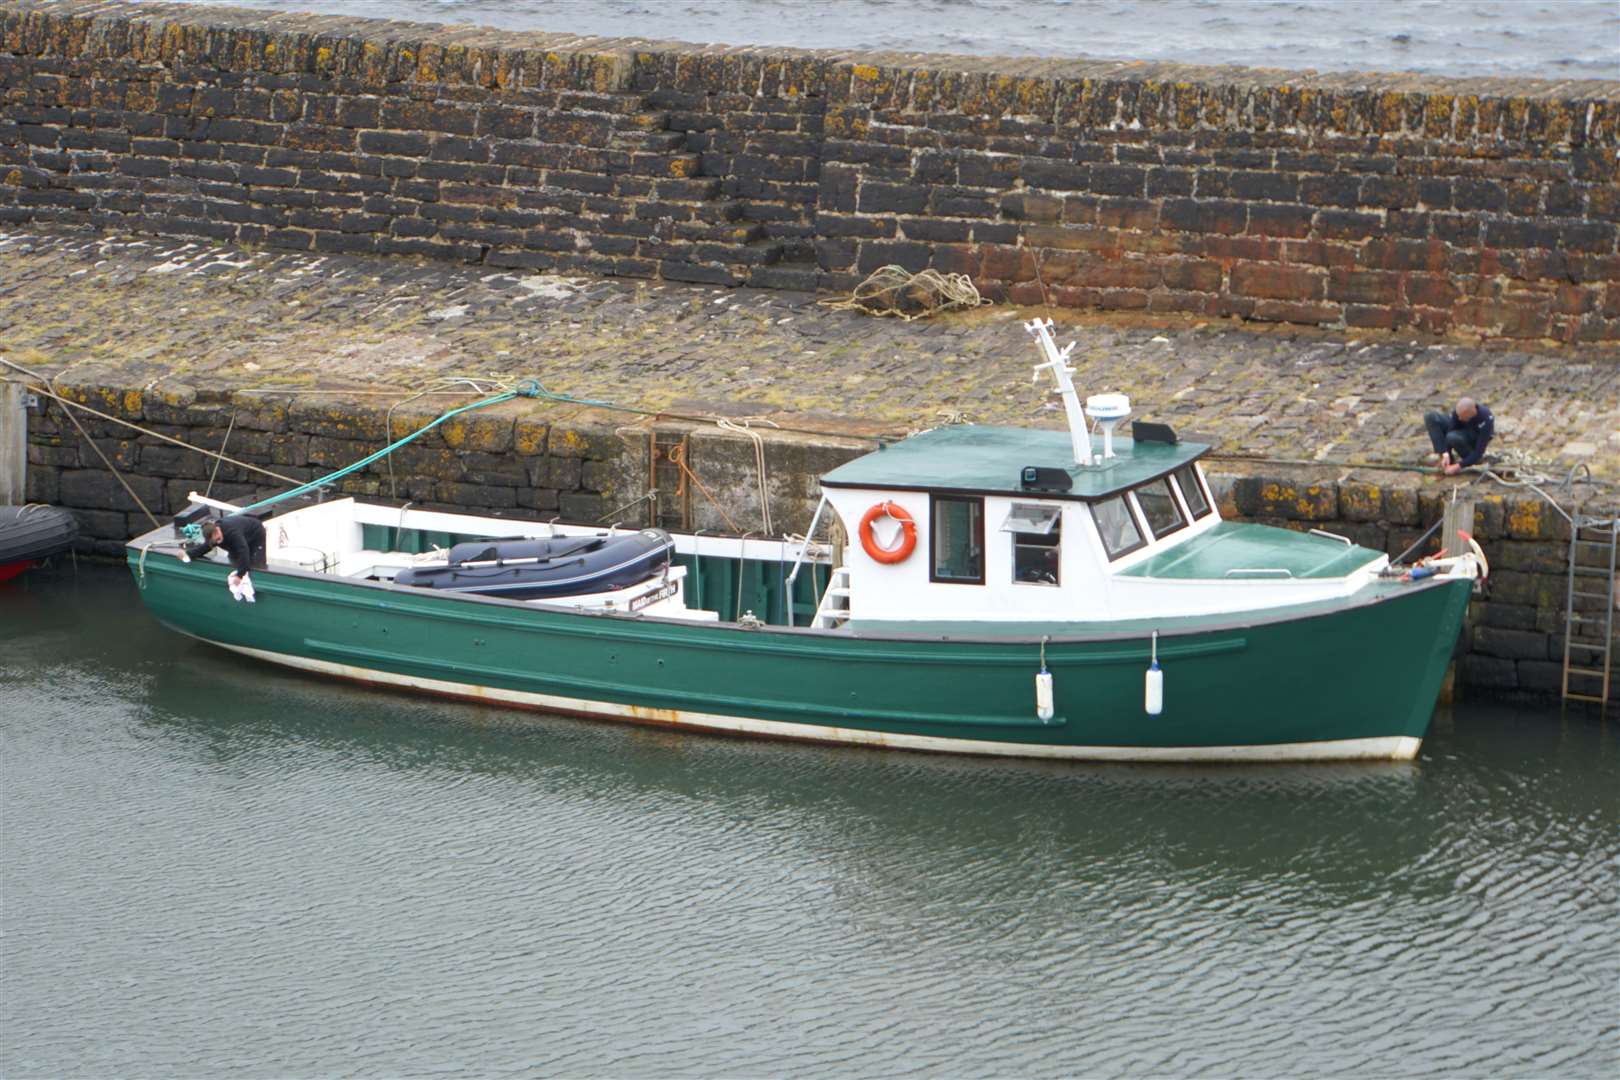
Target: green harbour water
[{"x": 211, "y": 867}]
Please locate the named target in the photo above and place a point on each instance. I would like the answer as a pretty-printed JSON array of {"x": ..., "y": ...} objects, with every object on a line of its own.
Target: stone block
[
  {"x": 1286, "y": 499},
  {"x": 537, "y": 499},
  {"x": 600, "y": 476},
  {"x": 503, "y": 470},
  {"x": 1488, "y": 673},
  {"x": 44, "y": 484},
  {"x": 1543, "y": 591},
  {"x": 338, "y": 420},
  {"x": 484, "y": 431},
  {"x": 529, "y": 435},
  {"x": 97, "y": 489},
  {"x": 1360, "y": 501},
  {"x": 581, "y": 507},
  {"x": 476, "y": 496},
  {"x": 561, "y": 473},
  {"x": 569, "y": 440},
  {"x": 1277, "y": 281},
  {"x": 333, "y": 453},
  {"x": 104, "y": 525},
  {"x": 174, "y": 461},
  {"x": 1509, "y": 616},
  {"x": 1511, "y": 644},
  {"x": 1541, "y": 676}
]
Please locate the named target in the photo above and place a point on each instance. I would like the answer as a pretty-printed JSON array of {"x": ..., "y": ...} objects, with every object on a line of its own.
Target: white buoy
[
  {"x": 1043, "y": 689},
  {"x": 1153, "y": 690}
]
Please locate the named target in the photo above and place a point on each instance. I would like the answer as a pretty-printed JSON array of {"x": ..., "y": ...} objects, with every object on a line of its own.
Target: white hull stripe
[{"x": 1381, "y": 748}]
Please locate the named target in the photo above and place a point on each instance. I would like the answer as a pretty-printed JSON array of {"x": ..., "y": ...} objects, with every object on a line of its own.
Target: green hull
[{"x": 1314, "y": 681}]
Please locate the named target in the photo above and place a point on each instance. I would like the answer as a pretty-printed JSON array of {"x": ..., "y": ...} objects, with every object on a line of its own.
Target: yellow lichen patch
[
  {"x": 865, "y": 73},
  {"x": 529, "y": 437},
  {"x": 323, "y": 57},
  {"x": 567, "y": 442},
  {"x": 682, "y": 167},
  {"x": 454, "y": 433},
  {"x": 1360, "y": 501},
  {"x": 1524, "y": 520},
  {"x": 14, "y": 178},
  {"x": 132, "y": 402},
  {"x": 1518, "y": 112},
  {"x": 1437, "y": 110},
  {"x": 1390, "y": 112}
]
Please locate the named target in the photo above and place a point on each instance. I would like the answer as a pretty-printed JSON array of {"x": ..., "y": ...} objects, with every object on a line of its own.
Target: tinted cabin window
[
  {"x": 1117, "y": 526},
  {"x": 1159, "y": 507},
  {"x": 1192, "y": 492},
  {"x": 958, "y": 540},
  {"x": 1036, "y": 532}
]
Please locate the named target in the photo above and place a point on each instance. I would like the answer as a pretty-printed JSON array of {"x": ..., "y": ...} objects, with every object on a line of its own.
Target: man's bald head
[{"x": 1466, "y": 409}]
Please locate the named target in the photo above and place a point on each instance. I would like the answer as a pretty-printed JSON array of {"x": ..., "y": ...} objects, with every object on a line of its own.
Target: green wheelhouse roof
[{"x": 984, "y": 460}]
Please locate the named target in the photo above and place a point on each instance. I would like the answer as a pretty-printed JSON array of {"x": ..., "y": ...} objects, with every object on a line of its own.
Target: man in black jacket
[
  {"x": 1459, "y": 440},
  {"x": 242, "y": 538}
]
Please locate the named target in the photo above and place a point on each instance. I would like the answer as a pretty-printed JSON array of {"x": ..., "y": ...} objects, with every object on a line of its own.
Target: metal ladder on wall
[{"x": 1584, "y": 618}]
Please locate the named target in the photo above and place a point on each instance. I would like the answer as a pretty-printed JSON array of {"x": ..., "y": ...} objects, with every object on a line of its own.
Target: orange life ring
[{"x": 908, "y": 534}]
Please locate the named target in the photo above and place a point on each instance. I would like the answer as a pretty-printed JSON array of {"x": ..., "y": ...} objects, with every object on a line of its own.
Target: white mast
[{"x": 1058, "y": 364}]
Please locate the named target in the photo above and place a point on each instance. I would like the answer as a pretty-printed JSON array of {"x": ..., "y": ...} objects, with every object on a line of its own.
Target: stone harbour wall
[
  {"x": 529, "y": 461},
  {"x": 1483, "y": 207}
]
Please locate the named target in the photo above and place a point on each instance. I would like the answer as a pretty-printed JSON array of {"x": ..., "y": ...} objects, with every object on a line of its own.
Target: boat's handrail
[
  {"x": 798, "y": 560},
  {"x": 1345, "y": 540},
  {"x": 1238, "y": 571}
]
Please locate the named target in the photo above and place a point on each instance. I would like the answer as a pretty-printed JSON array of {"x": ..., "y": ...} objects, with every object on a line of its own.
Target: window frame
[
  {"x": 1124, "y": 498},
  {"x": 1183, "y": 519},
  {"x": 1191, "y": 468},
  {"x": 1051, "y": 540},
  {"x": 933, "y": 538}
]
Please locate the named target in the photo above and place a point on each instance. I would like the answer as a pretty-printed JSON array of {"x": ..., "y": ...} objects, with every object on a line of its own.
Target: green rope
[
  {"x": 526, "y": 388},
  {"x": 540, "y": 391}
]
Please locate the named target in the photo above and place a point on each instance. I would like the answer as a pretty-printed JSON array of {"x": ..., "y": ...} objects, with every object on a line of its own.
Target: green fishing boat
[{"x": 1015, "y": 592}]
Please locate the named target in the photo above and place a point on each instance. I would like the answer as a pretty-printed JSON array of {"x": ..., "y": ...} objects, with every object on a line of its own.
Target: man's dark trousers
[{"x": 1460, "y": 442}]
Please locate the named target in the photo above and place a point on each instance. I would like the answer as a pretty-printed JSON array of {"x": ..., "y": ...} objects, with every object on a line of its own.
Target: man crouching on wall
[
  {"x": 1459, "y": 440},
  {"x": 242, "y": 538}
]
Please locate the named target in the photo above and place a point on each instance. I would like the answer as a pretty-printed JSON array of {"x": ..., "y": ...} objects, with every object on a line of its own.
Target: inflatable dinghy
[
  {"x": 33, "y": 532},
  {"x": 540, "y": 569}
]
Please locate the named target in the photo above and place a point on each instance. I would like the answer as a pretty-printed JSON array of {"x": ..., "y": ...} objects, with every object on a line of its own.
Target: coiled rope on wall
[{"x": 894, "y": 290}]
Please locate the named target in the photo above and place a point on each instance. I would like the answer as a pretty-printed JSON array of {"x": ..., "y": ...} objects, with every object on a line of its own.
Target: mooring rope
[
  {"x": 527, "y": 388},
  {"x": 745, "y": 428},
  {"x": 85, "y": 435},
  {"x": 223, "y": 443}
]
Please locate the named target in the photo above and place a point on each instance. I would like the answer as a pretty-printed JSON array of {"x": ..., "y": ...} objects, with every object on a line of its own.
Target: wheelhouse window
[
  {"x": 1159, "y": 507},
  {"x": 1036, "y": 541},
  {"x": 957, "y": 540},
  {"x": 1117, "y": 526},
  {"x": 1192, "y": 492}
]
